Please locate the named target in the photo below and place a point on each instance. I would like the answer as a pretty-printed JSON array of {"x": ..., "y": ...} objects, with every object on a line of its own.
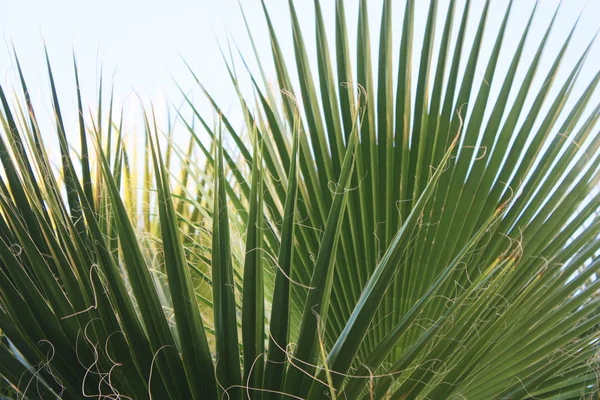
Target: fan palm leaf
[{"x": 410, "y": 227}]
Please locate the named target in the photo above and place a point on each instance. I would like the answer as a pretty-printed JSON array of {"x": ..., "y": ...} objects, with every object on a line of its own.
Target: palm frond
[{"x": 410, "y": 227}]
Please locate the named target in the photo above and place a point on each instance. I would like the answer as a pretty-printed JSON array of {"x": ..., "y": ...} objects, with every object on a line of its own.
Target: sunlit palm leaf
[{"x": 374, "y": 230}]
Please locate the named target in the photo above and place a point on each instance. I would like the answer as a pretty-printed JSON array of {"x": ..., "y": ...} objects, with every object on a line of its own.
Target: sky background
[{"x": 140, "y": 44}]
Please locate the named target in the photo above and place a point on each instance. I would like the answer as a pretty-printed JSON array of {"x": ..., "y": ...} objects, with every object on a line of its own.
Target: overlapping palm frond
[{"x": 373, "y": 230}]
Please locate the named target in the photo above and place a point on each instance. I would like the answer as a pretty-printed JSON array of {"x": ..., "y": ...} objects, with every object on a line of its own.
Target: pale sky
[{"x": 139, "y": 42}]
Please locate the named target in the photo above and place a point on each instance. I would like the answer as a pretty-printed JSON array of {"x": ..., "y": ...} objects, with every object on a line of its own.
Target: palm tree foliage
[{"x": 373, "y": 231}]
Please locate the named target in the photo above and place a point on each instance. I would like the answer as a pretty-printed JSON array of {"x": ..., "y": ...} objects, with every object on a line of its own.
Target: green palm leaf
[{"x": 410, "y": 227}]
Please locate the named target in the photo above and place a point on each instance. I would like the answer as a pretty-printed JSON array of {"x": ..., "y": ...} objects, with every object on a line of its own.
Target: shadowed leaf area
[{"x": 400, "y": 220}]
